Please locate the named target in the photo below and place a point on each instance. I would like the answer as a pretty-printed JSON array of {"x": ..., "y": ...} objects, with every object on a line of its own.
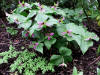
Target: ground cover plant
[
  {"x": 55, "y": 33},
  {"x": 26, "y": 61},
  {"x": 47, "y": 29}
]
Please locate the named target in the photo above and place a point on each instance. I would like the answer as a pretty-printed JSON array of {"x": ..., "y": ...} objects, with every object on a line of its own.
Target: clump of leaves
[
  {"x": 46, "y": 24},
  {"x": 12, "y": 31},
  {"x": 76, "y": 16},
  {"x": 26, "y": 62}
]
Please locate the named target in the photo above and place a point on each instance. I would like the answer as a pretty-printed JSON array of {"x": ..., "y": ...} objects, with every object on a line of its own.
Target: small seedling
[{"x": 11, "y": 31}]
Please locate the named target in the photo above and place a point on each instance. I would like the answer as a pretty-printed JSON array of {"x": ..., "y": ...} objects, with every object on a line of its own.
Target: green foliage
[
  {"x": 8, "y": 54},
  {"x": 76, "y": 16},
  {"x": 46, "y": 24},
  {"x": 49, "y": 43},
  {"x": 75, "y": 72},
  {"x": 26, "y": 62},
  {"x": 98, "y": 50},
  {"x": 6, "y": 5},
  {"x": 65, "y": 55},
  {"x": 79, "y": 34},
  {"x": 12, "y": 31},
  {"x": 98, "y": 71}
]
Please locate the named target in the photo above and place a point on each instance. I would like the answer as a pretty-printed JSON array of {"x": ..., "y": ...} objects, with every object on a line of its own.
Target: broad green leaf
[
  {"x": 67, "y": 59},
  {"x": 61, "y": 28},
  {"x": 91, "y": 35},
  {"x": 21, "y": 9},
  {"x": 49, "y": 43},
  {"x": 31, "y": 14},
  {"x": 65, "y": 51},
  {"x": 60, "y": 42},
  {"x": 51, "y": 22},
  {"x": 75, "y": 29},
  {"x": 48, "y": 10},
  {"x": 39, "y": 48},
  {"x": 60, "y": 12},
  {"x": 13, "y": 17},
  {"x": 41, "y": 17},
  {"x": 25, "y": 25},
  {"x": 33, "y": 28},
  {"x": 84, "y": 45},
  {"x": 56, "y": 59}
]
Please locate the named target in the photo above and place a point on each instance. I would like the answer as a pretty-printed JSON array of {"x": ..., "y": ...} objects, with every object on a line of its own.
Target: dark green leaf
[
  {"x": 56, "y": 59},
  {"x": 49, "y": 43},
  {"x": 65, "y": 51}
]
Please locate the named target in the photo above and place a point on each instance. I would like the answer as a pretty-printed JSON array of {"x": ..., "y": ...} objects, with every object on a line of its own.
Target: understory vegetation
[{"x": 55, "y": 29}]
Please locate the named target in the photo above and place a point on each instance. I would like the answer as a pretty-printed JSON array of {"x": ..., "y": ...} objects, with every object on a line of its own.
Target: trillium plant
[{"x": 48, "y": 26}]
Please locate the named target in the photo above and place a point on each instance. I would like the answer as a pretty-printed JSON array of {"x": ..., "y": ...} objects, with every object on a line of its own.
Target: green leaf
[
  {"x": 75, "y": 72},
  {"x": 84, "y": 45},
  {"x": 39, "y": 48},
  {"x": 21, "y": 9},
  {"x": 41, "y": 17},
  {"x": 1, "y": 61},
  {"x": 75, "y": 29},
  {"x": 49, "y": 43},
  {"x": 26, "y": 24},
  {"x": 98, "y": 71},
  {"x": 51, "y": 21},
  {"x": 67, "y": 59},
  {"x": 65, "y": 51},
  {"x": 48, "y": 10},
  {"x": 61, "y": 28},
  {"x": 80, "y": 73},
  {"x": 98, "y": 50},
  {"x": 33, "y": 28},
  {"x": 56, "y": 59},
  {"x": 60, "y": 12},
  {"x": 12, "y": 31},
  {"x": 31, "y": 14},
  {"x": 13, "y": 17},
  {"x": 98, "y": 17}
]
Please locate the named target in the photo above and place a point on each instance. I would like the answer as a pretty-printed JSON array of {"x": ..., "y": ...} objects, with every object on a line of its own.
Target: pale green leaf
[
  {"x": 31, "y": 14},
  {"x": 25, "y": 25},
  {"x": 39, "y": 48},
  {"x": 75, "y": 72},
  {"x": 41, "y": 17}
]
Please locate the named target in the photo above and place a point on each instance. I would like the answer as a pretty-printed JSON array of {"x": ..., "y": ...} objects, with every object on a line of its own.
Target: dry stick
[{"x": 97, "y": 59}]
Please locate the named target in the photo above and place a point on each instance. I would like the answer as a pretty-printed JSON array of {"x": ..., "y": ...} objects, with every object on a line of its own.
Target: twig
[{"x": 97, "y": 59}]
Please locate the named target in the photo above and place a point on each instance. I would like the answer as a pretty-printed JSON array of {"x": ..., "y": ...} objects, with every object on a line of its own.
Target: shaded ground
[{"x": 87, "y": 62}]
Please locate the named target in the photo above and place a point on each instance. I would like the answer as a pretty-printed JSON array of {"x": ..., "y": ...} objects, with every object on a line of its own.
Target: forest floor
[{"x": 87, "y": 62}]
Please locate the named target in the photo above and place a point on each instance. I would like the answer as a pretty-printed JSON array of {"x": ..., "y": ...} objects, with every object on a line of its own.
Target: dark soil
[{"x": 87, "y": 62}]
